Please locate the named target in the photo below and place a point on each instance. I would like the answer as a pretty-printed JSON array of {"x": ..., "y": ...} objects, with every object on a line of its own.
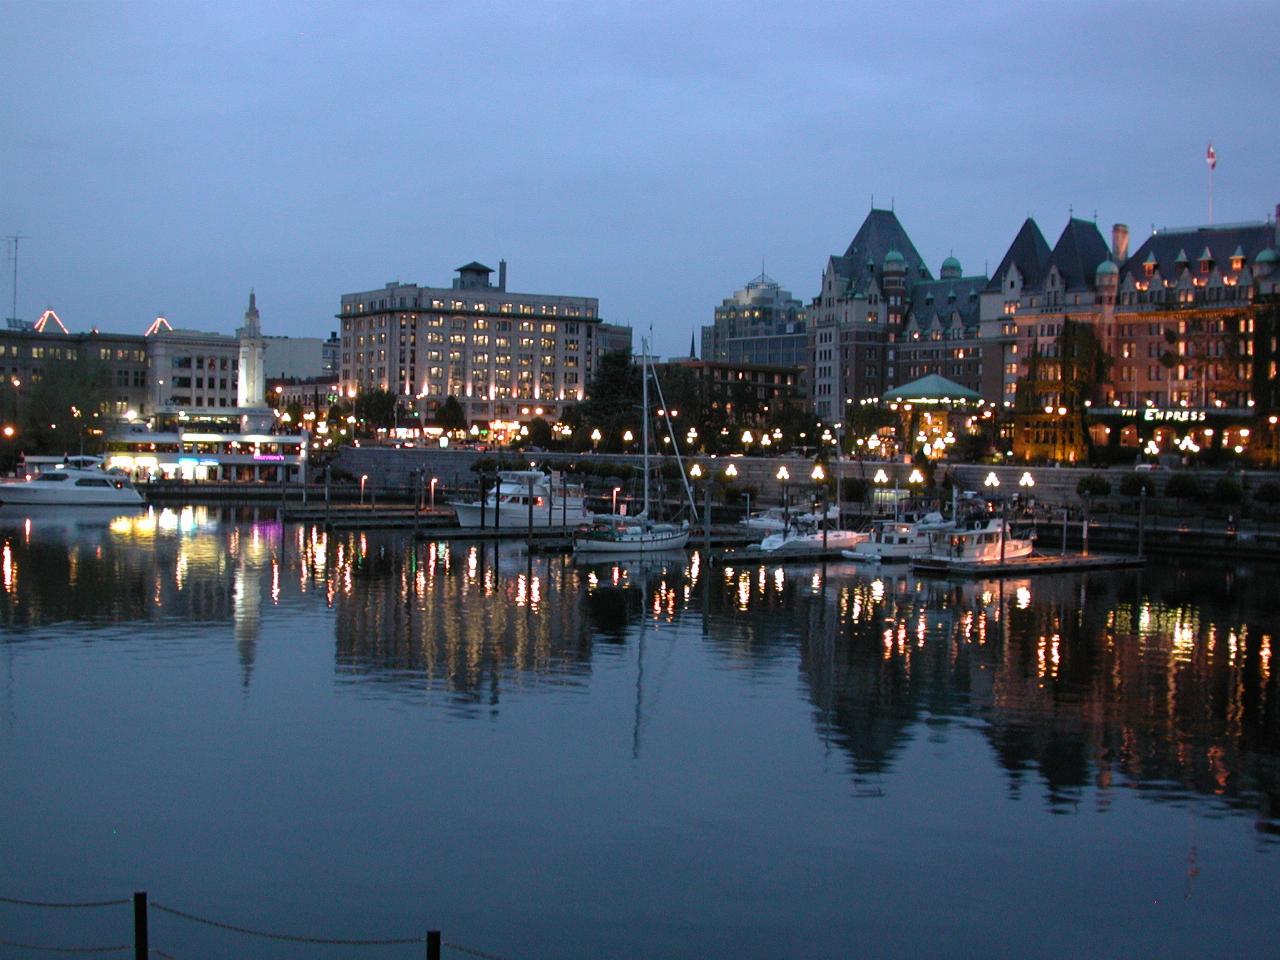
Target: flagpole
[{"x": 1211, "y": 195}]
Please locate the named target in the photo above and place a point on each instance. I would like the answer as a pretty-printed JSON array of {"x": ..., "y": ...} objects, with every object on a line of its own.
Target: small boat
[
  {"x": 555, "y": 503},
  {"x": 807, "y": 538},
  {"x": 79, "y": 482},
  {"x": 614, "y": 534},
  {"x": 629, "y": 535},
  {"x": 985, "y": 542},
  {"x": 894, "y": 541},
  {"x": 776, "y": 519}
]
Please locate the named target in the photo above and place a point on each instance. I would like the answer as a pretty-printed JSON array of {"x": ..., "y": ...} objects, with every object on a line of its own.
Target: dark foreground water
[{"x": 343, "y": 735}]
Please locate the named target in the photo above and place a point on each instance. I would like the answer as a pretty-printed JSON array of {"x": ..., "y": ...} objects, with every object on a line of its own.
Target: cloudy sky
[{"x": 167, "y": 157}]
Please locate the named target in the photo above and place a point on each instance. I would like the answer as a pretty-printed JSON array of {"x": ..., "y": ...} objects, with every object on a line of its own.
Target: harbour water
[{"x": 355, "y": 736}]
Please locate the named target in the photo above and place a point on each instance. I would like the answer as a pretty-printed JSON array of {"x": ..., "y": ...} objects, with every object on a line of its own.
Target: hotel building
[{"x": 504, "y": 356}]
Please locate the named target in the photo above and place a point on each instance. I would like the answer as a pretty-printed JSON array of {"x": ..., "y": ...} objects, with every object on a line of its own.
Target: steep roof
[
  {"x": 1029, "y": 253},
  {"x": 932, "y": 388},
  {"x": 474, "y": 267},
  {"x": 1077, "y": 254},
  {"x": 864, "y": 258},
  {"x": 922, "y": 309},
  {"x": 1163, "y": 249}
]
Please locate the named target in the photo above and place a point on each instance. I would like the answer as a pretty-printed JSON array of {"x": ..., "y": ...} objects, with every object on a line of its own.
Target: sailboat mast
[{"x": 644, "y": 376}]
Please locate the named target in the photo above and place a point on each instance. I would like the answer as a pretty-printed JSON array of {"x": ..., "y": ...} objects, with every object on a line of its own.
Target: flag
[{"x": 1211, "y": 157}]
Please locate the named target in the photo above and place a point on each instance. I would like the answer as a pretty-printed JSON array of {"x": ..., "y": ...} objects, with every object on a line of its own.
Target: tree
[
  {"x": 539, "y": 433},
  {"x": 613, "y": 398},
  {"x": 1093, "y": 485},
  {"x": 450, "y": 416},
  {"x": 1085, "y": 365},
  {"x": 1228, "y": 490},
  {"x": 1182, "y": 486},
  {"x": 377, "y": 408},
  {"x": 1134, "y": 484},
  {"x": 66, "y": 409}
]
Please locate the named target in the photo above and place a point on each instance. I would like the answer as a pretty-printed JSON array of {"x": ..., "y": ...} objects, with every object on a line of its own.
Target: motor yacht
[
  {"x": 555, "y": 503},
  {"x": 71, "y": 484}
]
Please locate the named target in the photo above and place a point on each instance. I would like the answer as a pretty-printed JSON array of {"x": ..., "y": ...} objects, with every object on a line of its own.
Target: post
[
  {"x": 497, "y": 502},
  {"x": 706, "y": 518},
  {"x": 417, "y": 499},
  {"x": 530, "y": 535},
  {"x": 141, "y": 949},
  {"x": 1064, "y": 531},
  {"x": 747, "y": 494},
  {"x": 1004, "y": 529},
  {"x": 1084, "y": 533},
  {"x": 433, "y": 945},
  {"x": 326, "y": 495},
  {"x": 483, "y": 484},
  {"x": 823, "y": 521},
  {"x": 1142, "y": 522}
]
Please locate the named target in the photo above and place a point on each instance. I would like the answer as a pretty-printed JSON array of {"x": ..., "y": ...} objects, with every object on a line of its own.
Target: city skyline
[{"x": 165, "y": 160}]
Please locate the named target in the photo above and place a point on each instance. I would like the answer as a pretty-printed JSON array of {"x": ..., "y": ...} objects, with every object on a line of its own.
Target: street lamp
[
  {"x": 818, "y": 473},
  {"x": 1026, "y": 480},
  {"x": 783, "y": 476},
  {"x": 363, "y": 478},
  {"x": 731, "y": 471},
  {"x": 434, "y": 481},
  {"x": 628, "y": 437},
  {"x": 695, "y": 471},
  {"x": 595, "y": 439},
  {"x": 992, "y": 481},
  {"x": 613, "y": 509}
]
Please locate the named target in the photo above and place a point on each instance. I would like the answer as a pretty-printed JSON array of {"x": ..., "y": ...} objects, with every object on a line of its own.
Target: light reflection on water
[{"x": 1076, "y": 691}]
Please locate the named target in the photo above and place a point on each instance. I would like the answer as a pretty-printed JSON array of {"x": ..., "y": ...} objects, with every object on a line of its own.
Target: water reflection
[{"x": 1160, "y": 683}]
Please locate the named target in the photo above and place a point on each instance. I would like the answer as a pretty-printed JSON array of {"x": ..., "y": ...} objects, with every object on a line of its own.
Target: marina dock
[{"x": 1036, "y": 563}]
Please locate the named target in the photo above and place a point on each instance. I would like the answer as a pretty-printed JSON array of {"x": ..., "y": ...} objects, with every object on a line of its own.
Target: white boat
[
  {"x": 776, "y": 519},
  {"x": 893, "y": 541},
  {"x": 555, "y": 503},
  {"x": 983, "y": 542},
  {"x": 639, "y": 534},
  {"x": 802, "y": 539},
  {"x": 80, "y": 482},
  {"x": 630, "y": 535}
]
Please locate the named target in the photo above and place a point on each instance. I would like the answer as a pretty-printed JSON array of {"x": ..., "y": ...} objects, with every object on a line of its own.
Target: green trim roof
[{"x": 930, "y": 389}]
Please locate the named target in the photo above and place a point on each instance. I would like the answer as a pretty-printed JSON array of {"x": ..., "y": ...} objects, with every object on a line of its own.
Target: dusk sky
[{"x": 168, "y": 157}]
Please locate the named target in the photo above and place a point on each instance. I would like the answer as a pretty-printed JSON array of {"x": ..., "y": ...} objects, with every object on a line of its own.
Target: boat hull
[
  {"x": 27, "y": 494},
  {"x": 517, "y": 517},
  {"x": 644, "y": 542}
]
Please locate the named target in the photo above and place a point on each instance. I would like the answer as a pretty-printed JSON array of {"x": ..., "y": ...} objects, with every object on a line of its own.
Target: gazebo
[
  {"x": 932, "y": 390},
  {"x": 928, "y": 406}
]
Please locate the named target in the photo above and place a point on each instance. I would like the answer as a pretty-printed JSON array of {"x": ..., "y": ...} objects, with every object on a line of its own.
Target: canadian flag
[{"x": 1211, "y": 157}]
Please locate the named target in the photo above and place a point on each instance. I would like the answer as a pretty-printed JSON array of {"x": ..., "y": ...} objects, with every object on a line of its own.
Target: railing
[{"x": 142, "y": 950}]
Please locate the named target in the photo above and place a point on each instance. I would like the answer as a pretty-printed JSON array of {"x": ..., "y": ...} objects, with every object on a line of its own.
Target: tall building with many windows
[
  {"x": 505, "y": 356},
  {"x": 761, "y": 324}
]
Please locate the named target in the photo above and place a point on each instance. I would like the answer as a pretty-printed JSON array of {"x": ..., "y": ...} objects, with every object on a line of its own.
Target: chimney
[
  {"x": 502, "y": 275},
  {"x": 1120, "y": 242}
]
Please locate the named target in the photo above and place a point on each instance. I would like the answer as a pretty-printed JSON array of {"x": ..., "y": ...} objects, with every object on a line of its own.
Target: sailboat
[{"x": 612, "y": 534}]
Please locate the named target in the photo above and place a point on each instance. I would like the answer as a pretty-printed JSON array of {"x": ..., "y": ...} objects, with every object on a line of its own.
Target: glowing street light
[
  {"x": 696, "y": 471},
  {"x": 916, "y": 476},
  {"x": 434, "y": 481},
  {"x": 747, "y": 439},
  {"x": 818, "y": 473},
  {"x": 613, "y": 508},
  {"x": 363, "y": 478},
  {"x": 992, "y": 481},
  {"x": 731, "y": 471},
  {"x": 628, "y": 437},
  {"x": 881, "y": 477},
  {"x": 1026, "y": 480},
  {"x": 783, "y": 474}
]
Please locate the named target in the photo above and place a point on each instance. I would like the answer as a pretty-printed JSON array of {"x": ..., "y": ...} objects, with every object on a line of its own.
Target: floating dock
[{"x": 1036, "y": 563}]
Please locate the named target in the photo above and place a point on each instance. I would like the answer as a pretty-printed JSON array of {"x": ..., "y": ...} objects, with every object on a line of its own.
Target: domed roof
[
  {"x": 951, "y": 263},
  {"x": 893, "y": 256},
  {"x": 1107, "y": 268},
  {"x": 1268, "y": 255}
]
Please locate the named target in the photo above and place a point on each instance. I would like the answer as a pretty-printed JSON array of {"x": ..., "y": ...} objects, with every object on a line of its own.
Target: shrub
[
  {"x": 1228, "y": 490},
  {"x": 1269, "y": 493},
  {"x": 1134, "y": 484},
  {"x": 1093, "y": 485},
  {"x": 1184, "y": 486}
]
